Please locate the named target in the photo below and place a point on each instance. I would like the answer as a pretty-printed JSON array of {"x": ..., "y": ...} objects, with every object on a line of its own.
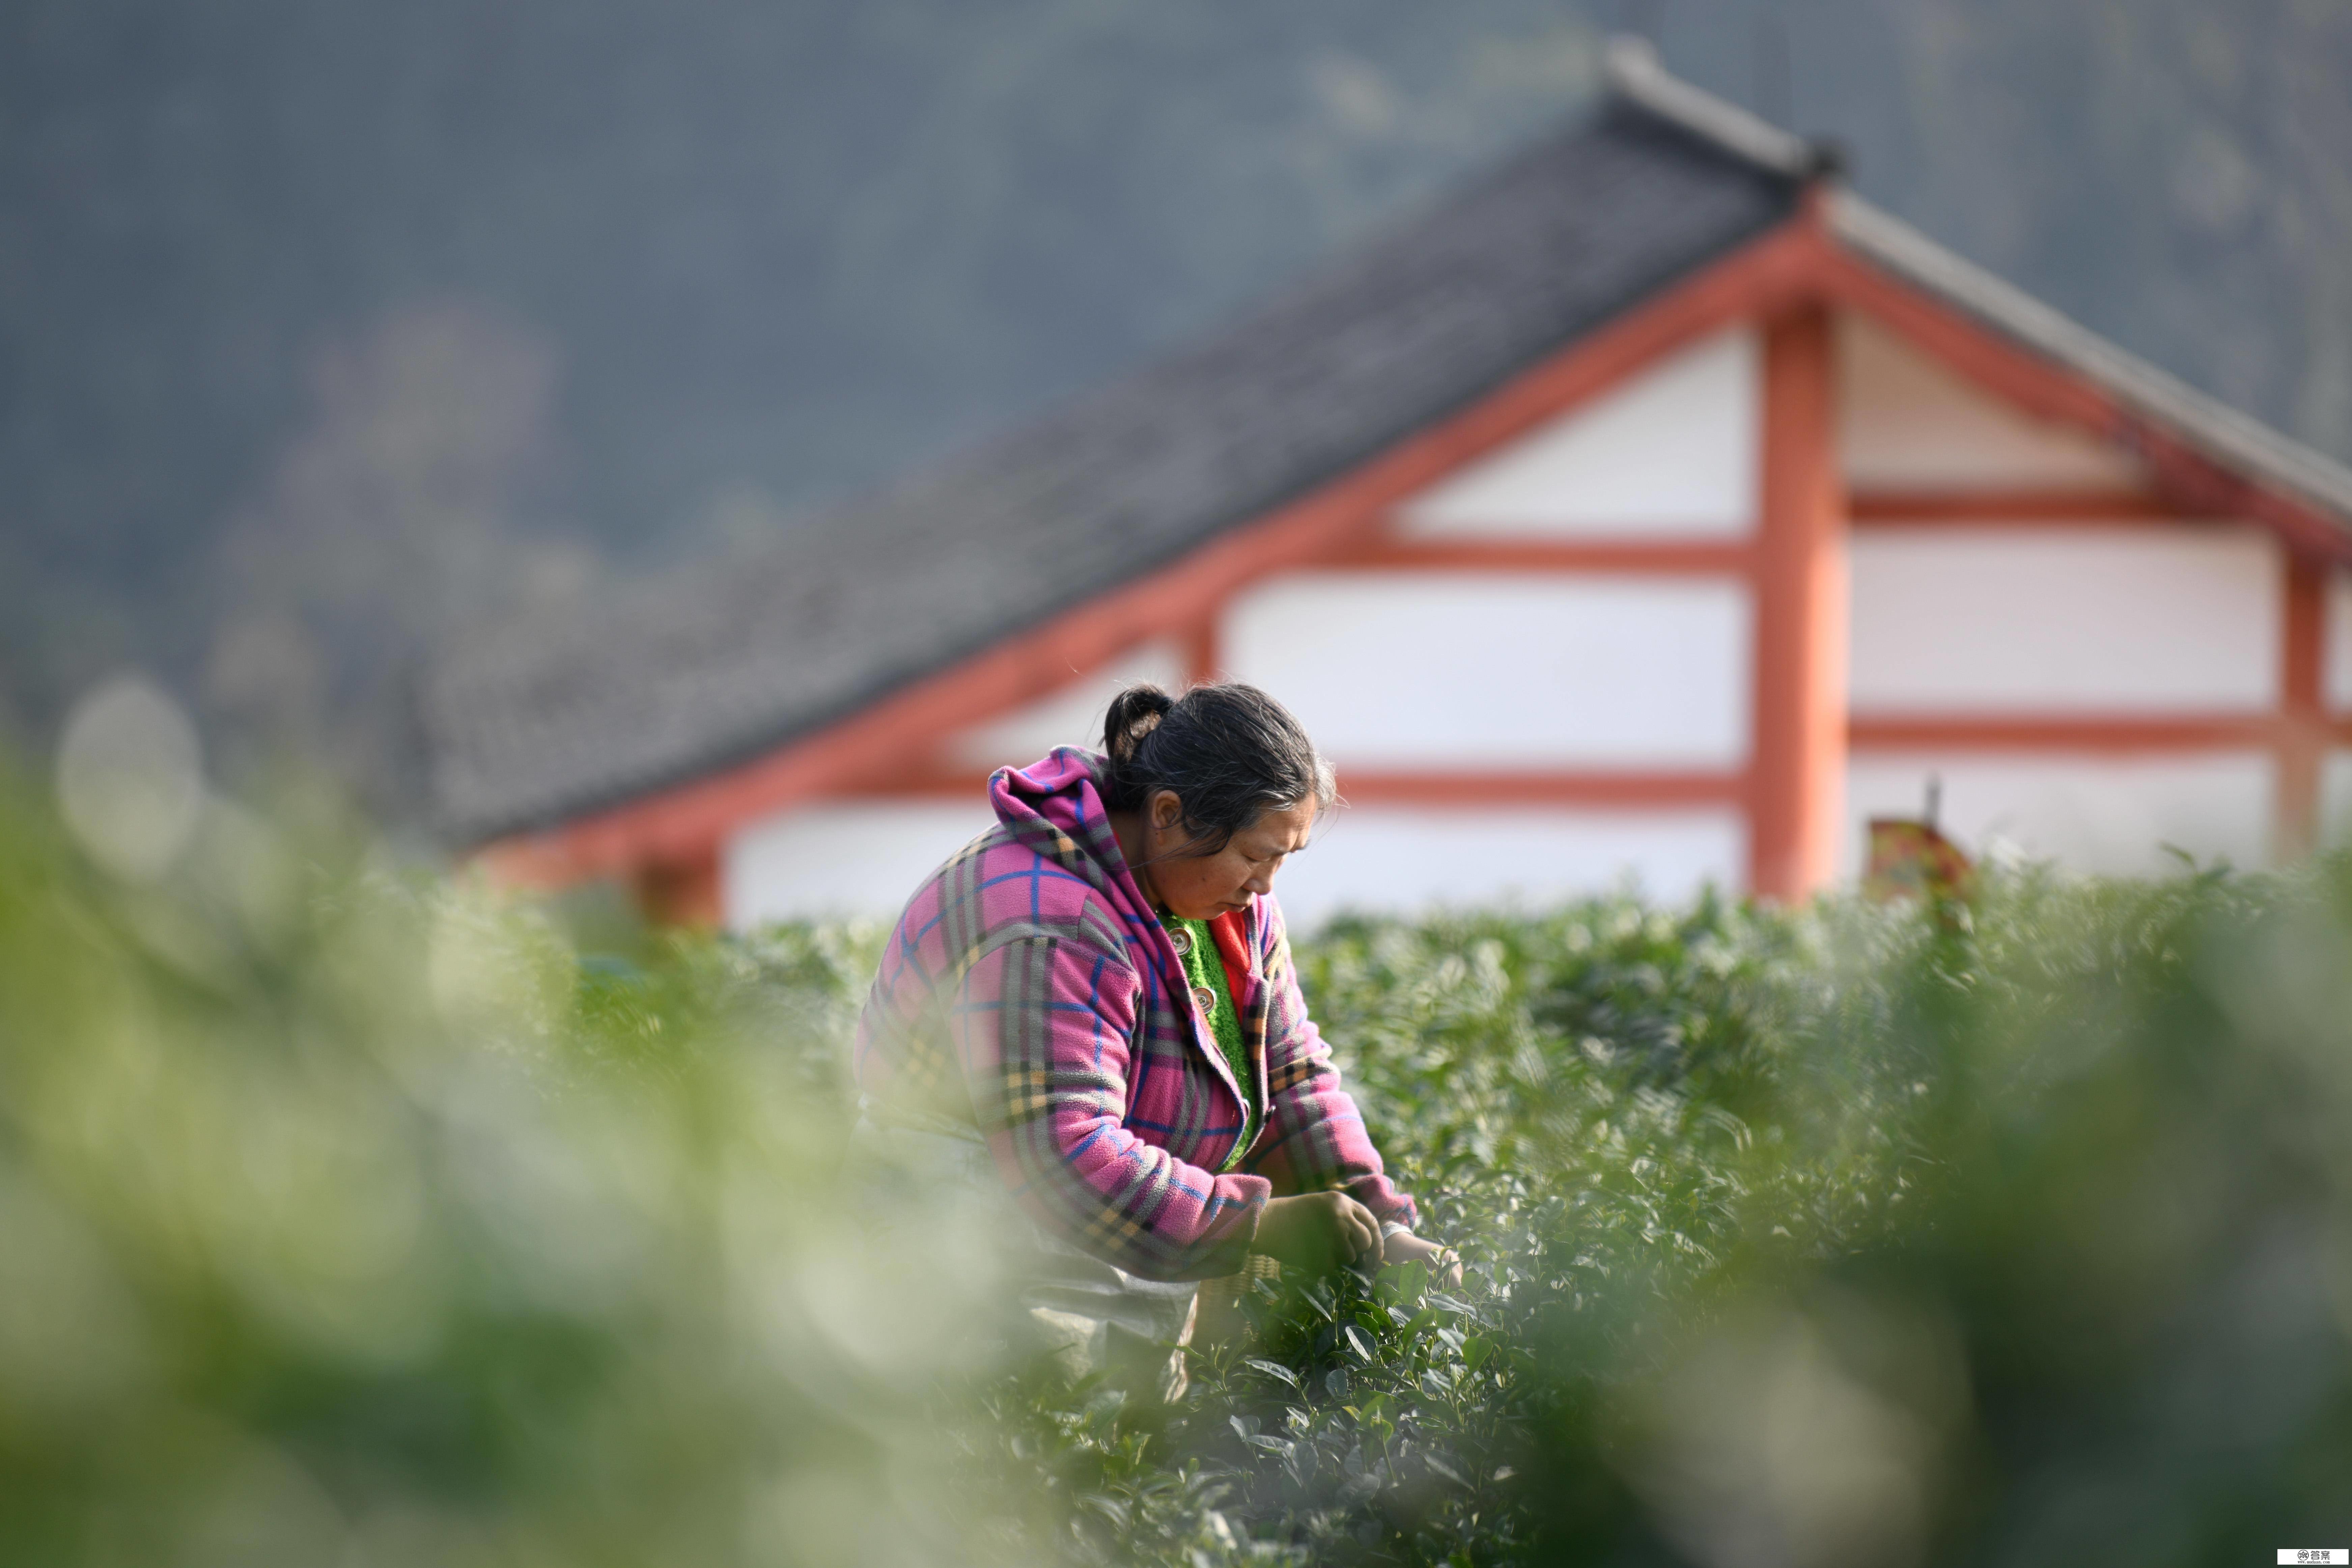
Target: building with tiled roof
[{"x": 1651, "y": 507}]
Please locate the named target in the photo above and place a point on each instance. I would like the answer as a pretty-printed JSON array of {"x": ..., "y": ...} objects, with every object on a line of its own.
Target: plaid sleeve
[
  {"x": 1044, "y": 1025},
  {"x": 1316, "y": 1137}
]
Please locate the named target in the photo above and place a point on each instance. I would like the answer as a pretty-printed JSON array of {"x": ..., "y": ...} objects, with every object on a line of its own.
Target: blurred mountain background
[{"x": 326, "y": 328}]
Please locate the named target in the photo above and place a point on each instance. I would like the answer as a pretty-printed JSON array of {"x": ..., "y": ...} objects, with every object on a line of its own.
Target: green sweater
[{"x": 1204, "y": 970}]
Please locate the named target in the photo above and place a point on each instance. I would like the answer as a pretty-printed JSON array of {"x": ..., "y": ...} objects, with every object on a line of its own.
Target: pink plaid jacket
[{"x": 1029, "y": 990}]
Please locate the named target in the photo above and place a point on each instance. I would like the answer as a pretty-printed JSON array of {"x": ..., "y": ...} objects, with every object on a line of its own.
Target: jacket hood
[{"x": 1055, "y": 806}]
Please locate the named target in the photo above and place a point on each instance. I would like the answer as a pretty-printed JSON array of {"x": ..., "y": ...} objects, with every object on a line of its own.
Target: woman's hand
[
  {"x": 1317, "y": 1232},
  {"x": 1403, "y": 1246}
]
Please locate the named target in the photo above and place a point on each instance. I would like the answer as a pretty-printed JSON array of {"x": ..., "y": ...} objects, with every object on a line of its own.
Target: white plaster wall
[
  {"x": 2004, "y": 619},
  {"x": 1470, "y": 671},
  {"x": 842, "y": 858},
  {"x": 1911, "y": 424},
  {"x": 2110, "y": 815},
  {"x": 1673, "y": 453},
  {"x": 1070, "y": 717},
  {"x": 2336, "y": 798},
  {"x": 2338, "y": 650},
  {"x": 1397, "y": 860}
]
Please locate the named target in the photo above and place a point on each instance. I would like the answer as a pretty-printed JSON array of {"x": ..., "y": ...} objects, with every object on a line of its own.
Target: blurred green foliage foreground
[{"x": 346, "y": 1219}]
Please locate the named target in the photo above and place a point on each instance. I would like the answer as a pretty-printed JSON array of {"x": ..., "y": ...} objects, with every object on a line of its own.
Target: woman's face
[{"x": 1203, "y": 886}]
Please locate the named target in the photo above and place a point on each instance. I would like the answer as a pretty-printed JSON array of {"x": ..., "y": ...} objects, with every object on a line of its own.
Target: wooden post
[
  {"x": 1203, "y": 658},
  {"x": 1797, "y": 777},
  {"x": 2303, "y": 706},
  {"x": 683, "y": 892}
]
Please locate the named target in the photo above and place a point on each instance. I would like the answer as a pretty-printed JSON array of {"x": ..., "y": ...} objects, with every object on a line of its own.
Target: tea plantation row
[{"x": 350, "y": 1218}]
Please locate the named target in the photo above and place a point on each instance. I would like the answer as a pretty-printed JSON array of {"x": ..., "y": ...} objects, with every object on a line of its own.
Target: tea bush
[
  {"x": 2020, "y": 1233},
  {"x": 346, "y": 1217}
]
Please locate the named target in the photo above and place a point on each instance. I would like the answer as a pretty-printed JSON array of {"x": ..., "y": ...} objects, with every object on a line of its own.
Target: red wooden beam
[
  {"x": 1203, "y": 655},
  {"x": 1893, "y": 508},
  {"x": 684, "y": 892},
  {"x": 2303, "y": 739},
  {"x": 1798, "y": 765},
  {"x": 1710, "y": 558},
  {"x": 2083, "y": 734},
  {"x": 1591, "y": 788}
]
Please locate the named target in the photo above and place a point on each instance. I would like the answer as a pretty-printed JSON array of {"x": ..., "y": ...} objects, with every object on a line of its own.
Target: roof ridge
[{"x": 1634, "y": 72}]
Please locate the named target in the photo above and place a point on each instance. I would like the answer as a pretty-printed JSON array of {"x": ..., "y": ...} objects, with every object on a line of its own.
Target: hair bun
[
  {"x": 1134, "y": 713},
  {"x": 1225, "y": 750}
]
